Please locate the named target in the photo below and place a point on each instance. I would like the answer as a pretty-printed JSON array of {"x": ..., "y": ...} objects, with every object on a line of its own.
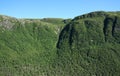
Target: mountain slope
[
  {"x": 88, "y": 45},
  {"x": 26, "y": 42}
]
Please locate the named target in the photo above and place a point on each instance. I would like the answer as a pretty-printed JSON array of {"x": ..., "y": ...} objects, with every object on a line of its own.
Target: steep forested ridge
[{"x": 88, "y": 45}]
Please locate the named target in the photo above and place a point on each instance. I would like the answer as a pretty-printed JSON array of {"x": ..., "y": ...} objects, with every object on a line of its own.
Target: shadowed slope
[{"x": 89, "y": 45}]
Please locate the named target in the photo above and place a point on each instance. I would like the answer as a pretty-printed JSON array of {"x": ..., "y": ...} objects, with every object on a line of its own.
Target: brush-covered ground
[{"x": 88, "y": 45}]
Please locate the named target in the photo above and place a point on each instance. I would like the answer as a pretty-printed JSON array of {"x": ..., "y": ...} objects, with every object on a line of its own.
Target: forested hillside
[{"x": 88, "y": 45}]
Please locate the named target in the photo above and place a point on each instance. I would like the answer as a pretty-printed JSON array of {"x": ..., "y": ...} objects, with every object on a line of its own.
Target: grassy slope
[
  {"x": 87, "y": 46},
  {"x": 27, "y": 43}
]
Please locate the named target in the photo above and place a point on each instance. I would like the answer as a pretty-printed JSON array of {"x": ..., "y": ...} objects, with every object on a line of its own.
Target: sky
[{"x": 55, "y": 8}]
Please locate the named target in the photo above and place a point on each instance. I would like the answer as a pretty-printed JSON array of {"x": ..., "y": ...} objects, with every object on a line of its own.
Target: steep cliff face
[
  {"x": 92, "y": 42},
  {"x": 93, "y": 28}
]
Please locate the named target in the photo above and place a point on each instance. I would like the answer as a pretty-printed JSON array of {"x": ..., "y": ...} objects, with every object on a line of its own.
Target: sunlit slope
[{"x": 88, "y": 45}]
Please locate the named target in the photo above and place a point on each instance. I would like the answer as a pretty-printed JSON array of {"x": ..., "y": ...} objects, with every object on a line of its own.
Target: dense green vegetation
[
  {"x": 26, "y": 44},
  {"x": 88, "y": 45}
]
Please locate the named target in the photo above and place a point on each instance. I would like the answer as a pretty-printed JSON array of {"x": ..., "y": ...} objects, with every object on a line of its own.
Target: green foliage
[
  {"x": 89, "y": 45},
  {"x": 30, "y": 44}
]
